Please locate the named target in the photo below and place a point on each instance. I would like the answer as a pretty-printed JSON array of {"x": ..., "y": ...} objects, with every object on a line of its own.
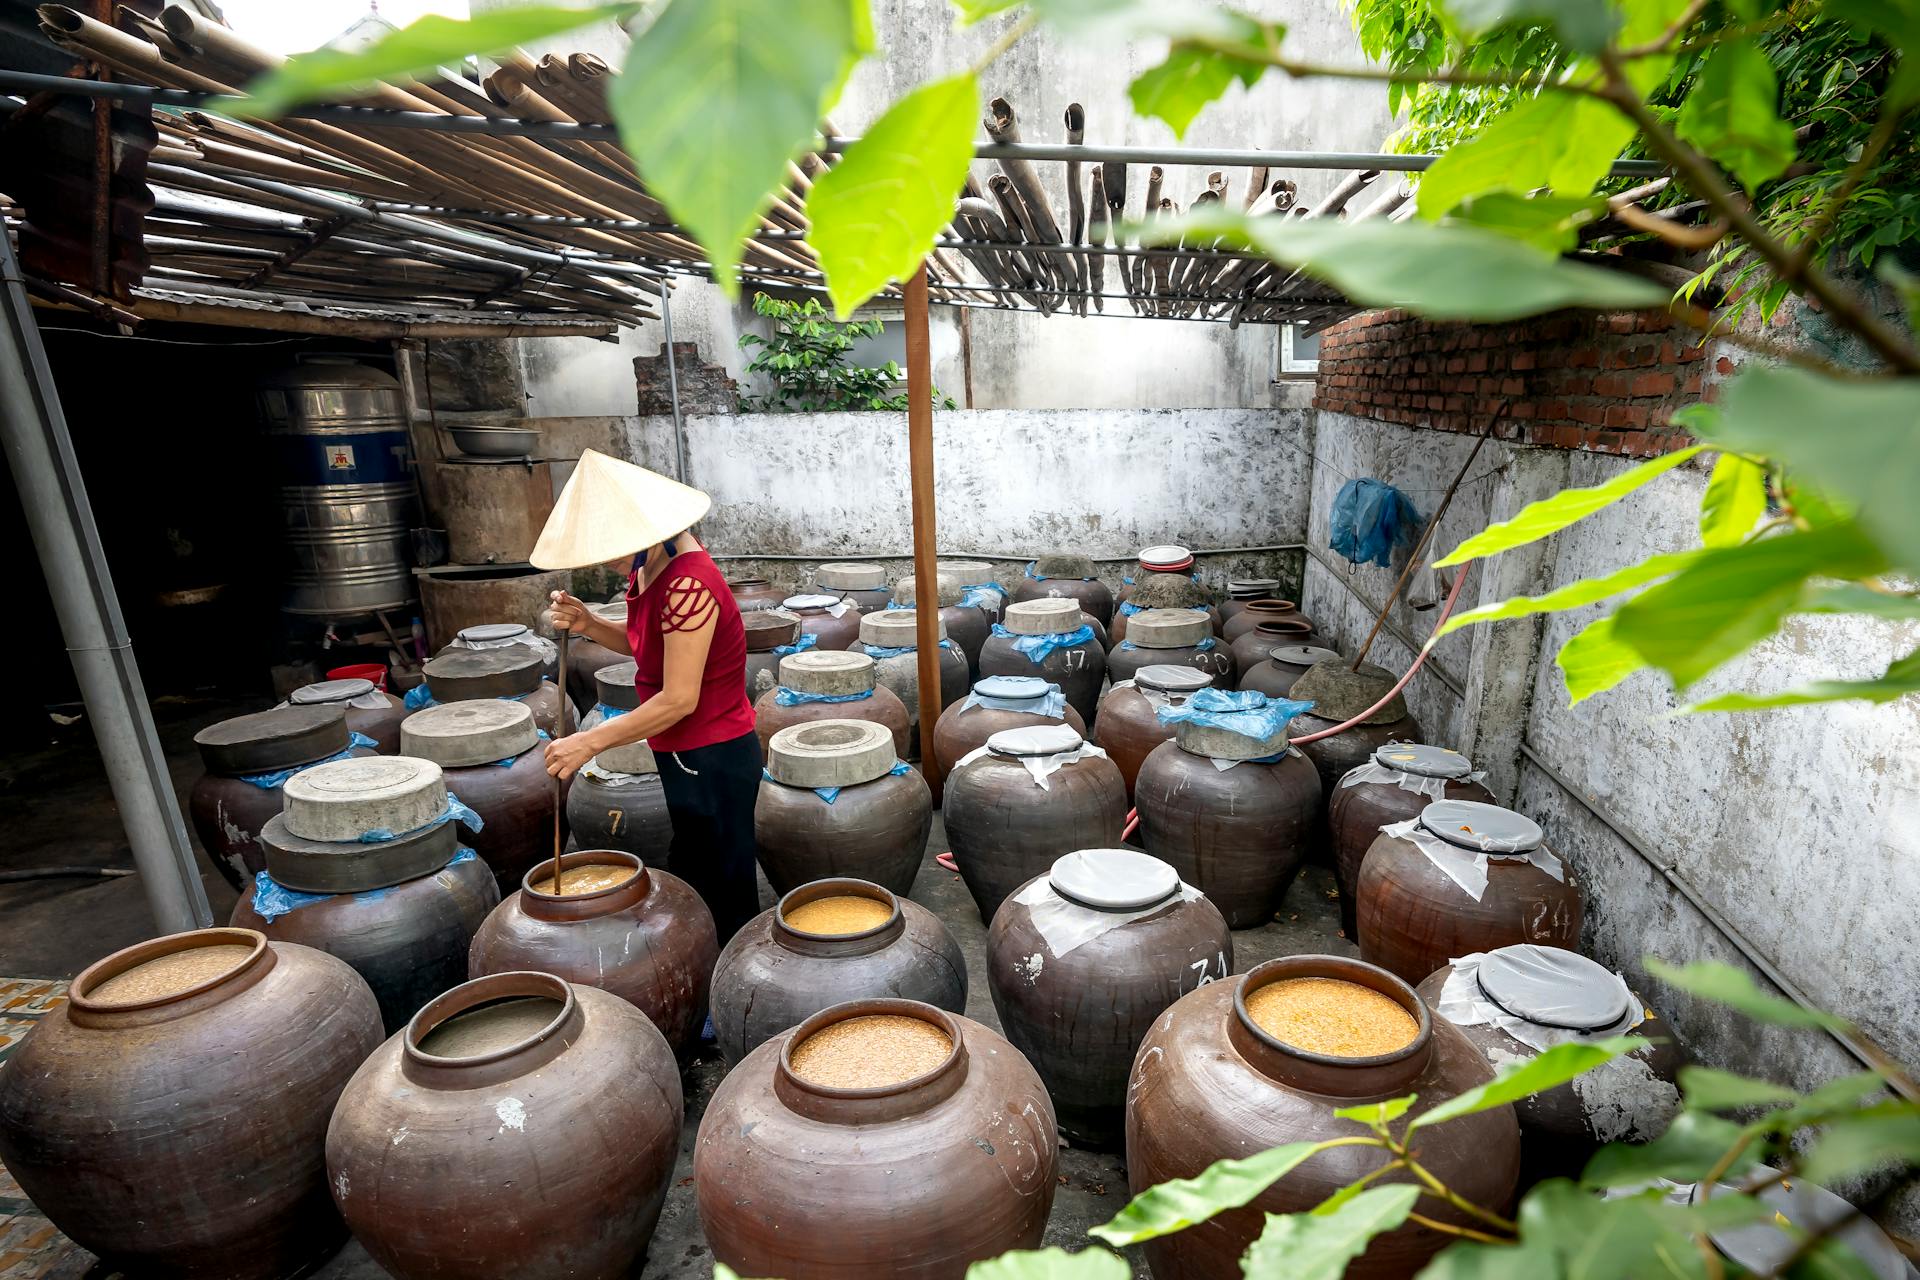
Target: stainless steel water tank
[{"x": 346, "y": 472}]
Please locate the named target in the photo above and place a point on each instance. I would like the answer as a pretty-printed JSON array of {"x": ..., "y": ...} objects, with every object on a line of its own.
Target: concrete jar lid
[
  {"x": 1060, "y": 564},
  {"x": 830, "y": 753},
  {"x": 1166, "y": 677},
  {"x": 270, "y": 740},
  {"x": 948, "y": 592},
  {"x": 459, "y": 735},
  {"x": 1225, "y": 744},
  {"x": 832, "y": 672},
  {"x": 894, "y": 629},
  {"x": 768, "y": 629},
  {"x": 1423, "y": 761},
  {"x": 967, "y": 572},
  {"x": 343, "y": 800},
  {"x": 1340, "y": 693},
  {"x": 629, "y": 757},
  {"x": 1112, "y": 879},
  {"x": 612, "y": 611},
  {"x": 324, "y": 866},
  {"x": 1167, "y": 628},
  {"x": 325, "y": 691},
  {"x": 850, "y": 575},
  {"x": 1252, "y": 588},
  {"x": 1051, "y": 616},
  {"x": 809, "y": 600},
  {"x": 613, "y": 685},
  {"x": 456, "y": 675},
  {"x": 495, "y": 632}
]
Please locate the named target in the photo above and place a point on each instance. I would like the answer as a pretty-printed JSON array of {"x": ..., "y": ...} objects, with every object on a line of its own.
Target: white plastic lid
[
  {"x": 1013, "y": 688},
  {"x": 1035, "y": 740},
  {"x": 1552, "y": 987},
  {"x": 1488, "y": 828},
  {"x": 1422, "y": 760},
  {"x": 1300, "y": 655},
  {"x": 811, "y": 602},
  {"x": 1168, "y": 678},
  {"x": 493, "y": 632},
  {"x": 1112, "y": 879},
  {"x": 1166, "y": 553},
  {"x": 330, "y": 691}
]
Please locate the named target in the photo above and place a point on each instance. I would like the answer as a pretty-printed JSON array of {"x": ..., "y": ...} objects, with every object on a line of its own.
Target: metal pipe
[
  {"x": 53, "y": 498},
  {"x": 992, "y": 555},
  {"x": 920, "y": 480},
  {"x": 673, "y": 390}
]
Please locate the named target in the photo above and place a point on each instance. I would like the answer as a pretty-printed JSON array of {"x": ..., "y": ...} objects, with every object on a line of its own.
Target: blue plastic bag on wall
[{"x": 1370, "y": 519}]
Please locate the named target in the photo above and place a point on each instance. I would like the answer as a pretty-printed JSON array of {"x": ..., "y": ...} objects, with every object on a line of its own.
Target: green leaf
[
  {"x": 1468, "y": 1261},
  {"x": 1842, "y": 1096},
  {"x": 1735, "y": 500},
  {"x": 1710, "y": 1089},
  {"x": 1831, "y": 1259},
  {"x": 1899, "y": 23},
  {"x": 1560, "y": 141},
  {"x": 1593, "y": 661},
  {"x": 717, "y": 95},
  {"x": 1583, "y": 25},
  {"x": 1852, "y": 597},
  {"x": 416, "y": 49},
  {"x": 1724, "y": 984},
  {"x": 1441, "y": 272},
  {"x": 1550, "y": 515},
  {"x": 1519, "y": 1080},
  {"x": 1318, "y": 1246},
  {"x": 1378, "y": 1115},
  {"x": 1627, "y": 1238},
  {"x": 1864, "y": 1141},
  {"x": 1902, "y": 678},
  {"x": 1730, "y": 113},
  {"x": 1730, "y": 598},
  {"x": 1692, "y": 1147},
  {"x": 1549, "y": 223},
  {"x": 1858, "y": 440},
  {"x": 1225, "y": 1184},
  {"x": 1186, "y": 81},
  {"x": 1574, "y": 594},
  {"x": 972, "y": 11},
  {"x": 1051, "y": 1264},
  {"x": 874, "y": 215}
]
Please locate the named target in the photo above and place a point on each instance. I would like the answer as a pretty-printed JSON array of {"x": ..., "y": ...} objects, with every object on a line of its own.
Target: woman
[{"x": 689, "y": 649}]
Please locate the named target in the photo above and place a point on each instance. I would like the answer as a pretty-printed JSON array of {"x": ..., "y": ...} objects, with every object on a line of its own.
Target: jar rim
[
  {"x": 1339, "y": 969},
  {"x": 79, "y": 992},
  {"x": 852, "y": 1009},
  {"x": 478, "y": 993},
  {"x": 583, "y": 858},
  {"x": 837, "y": 887}
]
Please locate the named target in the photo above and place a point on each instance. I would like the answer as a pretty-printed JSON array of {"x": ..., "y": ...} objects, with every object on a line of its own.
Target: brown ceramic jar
[
  {"x": 1238, "y": 834},
  {"x": 752, "y": 593},
  {"x": 809, "y": 1182},
  {"x": 996, "y": 703},
  {"x": 1498, "y": 998},
  {"x": 1170, "y": 638},
  {"x": 1253, "y": 644},
  {"x": 890, "y": 637},
  {"x": 1399, "y": 781},
  {"x": 1130, "y": 727},
  {"x": 1006, "y": 826},
  {"x": 1105, "y": 929},
  {"x": 1252, "y": 613},
  {"x": 1277, "y": 673},
  {"x": 771, "y": 636},
  {"x": 485, "y": 1183},
  {"x": 516, "y": 801},
  {"x": 860, "y": 583},
  {"x": 832, "y": 684},
  {"x": 649, "y": 940},
  {"x": 183, "y": 1135},
  {"x": 513, "y": 671},
  {"x": 773, "y": 976},
  {"x": 1338, "y": 694},
  {"x": 982, "y": 589},
  {"x": 874, "y": 828},
  {"x": 1209, "y": 1085},
  {"x": 1080, "y": 668},
  {"x": 1242, "y": 592},
  {"x": 1161, "y": 591},
  {"x": 1067, "y": 577},
  {"x": 585, "y": 657},
  {"x": 834, "y": 621},
  {"x": 609, "y": 809},
  {"x": 963, "y": 624},
  {"x": 371, "y": 712},
  {"x": 1414, "y": 916}
]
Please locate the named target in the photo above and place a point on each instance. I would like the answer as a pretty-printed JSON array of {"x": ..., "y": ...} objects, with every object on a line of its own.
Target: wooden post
[{"x": 920, "y": 473}]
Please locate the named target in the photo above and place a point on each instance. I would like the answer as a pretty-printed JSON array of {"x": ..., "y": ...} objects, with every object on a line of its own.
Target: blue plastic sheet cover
[
  {"x": 1036, "y": 648},
  {"x": 271, "y": 899},
  {"x": 830, "y": 794},
  {"x": 1371, "y": 518},
  {"x": 785, "y": 697},
  {"x": 801, "y": 645},
  {"x": 455, "y": 812},
  {"x": 1250, "y": 713}
]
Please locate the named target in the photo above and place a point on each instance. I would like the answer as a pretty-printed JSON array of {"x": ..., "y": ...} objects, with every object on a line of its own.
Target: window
[{"x": 1299, "y": 352}]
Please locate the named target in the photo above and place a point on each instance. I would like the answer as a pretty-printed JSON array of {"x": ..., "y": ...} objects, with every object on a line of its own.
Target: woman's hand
[
  {"x": 567, "y": 613},
  {"x": 566, "y": 755}
]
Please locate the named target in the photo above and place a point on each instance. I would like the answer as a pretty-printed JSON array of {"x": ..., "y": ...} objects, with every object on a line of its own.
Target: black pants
[{"x": 710, "y": 793}]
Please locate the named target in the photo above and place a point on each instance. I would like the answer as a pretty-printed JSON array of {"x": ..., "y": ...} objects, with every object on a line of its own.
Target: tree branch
[
  {"x": 1458, "y": 1201},
  {"x": 1271, "y": 56},
  {"x": 1877, "y": 142},
  {"x": 1452, "y": 1230},
  {"x": 1660, "y": 42}
]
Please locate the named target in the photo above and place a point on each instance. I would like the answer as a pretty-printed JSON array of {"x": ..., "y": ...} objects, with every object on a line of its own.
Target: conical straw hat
[{"x": 611, "y": 509}]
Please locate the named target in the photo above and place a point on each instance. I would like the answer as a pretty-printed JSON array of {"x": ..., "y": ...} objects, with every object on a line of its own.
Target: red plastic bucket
[{"x": 374, "y": 671}]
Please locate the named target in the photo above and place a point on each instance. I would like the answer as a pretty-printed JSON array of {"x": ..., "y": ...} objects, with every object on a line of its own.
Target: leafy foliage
[
  {"x": 807, "y": 361},
  {"x": 1320, "y": 1244},
  {"x": 1518, "y": 1080}
]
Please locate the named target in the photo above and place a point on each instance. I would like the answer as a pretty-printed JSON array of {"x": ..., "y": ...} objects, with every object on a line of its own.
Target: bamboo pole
[
  {"x": 1003, "y": 126},
  {"x": 920, "y": 479},
  {"x": 1097, "y": 235},
  {"x": 1076, "y": 119}
]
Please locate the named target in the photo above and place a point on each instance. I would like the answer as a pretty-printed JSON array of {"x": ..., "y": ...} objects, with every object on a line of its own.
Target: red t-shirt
[{"x": 689, "y": 592}]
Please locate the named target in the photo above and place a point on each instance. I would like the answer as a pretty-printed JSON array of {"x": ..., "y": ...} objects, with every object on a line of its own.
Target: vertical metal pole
[
  {"x": 34, "y": 433},
  {"x": 673, "y": 388},
  {"x": 920, "y": 475}
]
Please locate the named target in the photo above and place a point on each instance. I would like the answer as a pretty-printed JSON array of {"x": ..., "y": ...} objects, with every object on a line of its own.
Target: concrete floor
[{"x": 55, "y": 809}]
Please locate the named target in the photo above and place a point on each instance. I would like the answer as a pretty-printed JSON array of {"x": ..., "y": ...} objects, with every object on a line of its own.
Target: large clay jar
[
  {"x": 832, "y": 684},
  {"x": 1254, "y": 612},
  {"x": 1459, "y": 878},
  {"x": 493, "y": 761},
  {"x": 891, "y": 638},
  {"x": 1069, "y": 577},
  {"x": 811, "y": 1181},
  {"x": 1024, "y": 800},
  {"x": 1209, "y": 1084},
  {"x": 1242, "y": 592},
  {"x": 1277, "y": 673},
  {"x": 513, "y": 672},
  {"x": 1162, "y": 591},
  {"x": 623, "y": 809},
  {"x": 613, "y": 693},
  {"x": 962, "y": 623},
  {"x": 584, "y": 656},
  {"x": 775, "y": 974},
  {"x": 1233, "y": 826},
  {"x": 996, "y": 703},
  {"x": 171, "y": 1115},
  {"x": 1170, "y": 638},
  {"x": 1518, "y": 1002},
  {"x": 860, "y": 583},
  {"x": 1253, "y": 644},
  {"x": 541, "y": 1122},
  {"x": 1106, "y": 929},
  {"x": 837, "y": 801},
  {"x": 1338, "y": 694},
  {"x": 618, "y": 925},
  {"x": 372, "y": 713},
  {"x": 834, "y": 623},
  {"x": 772, "y": 634},
  {"x": 1130, "y": 725},
  {"x": 751, "y": 593},
  {"x": 981, "y": 589},
  {"x": 248, "y": 760},
  {"x": 1399, "y": 781},
  {"x": 1047, "y": 638},
  {"x": 405, "y": 932}
]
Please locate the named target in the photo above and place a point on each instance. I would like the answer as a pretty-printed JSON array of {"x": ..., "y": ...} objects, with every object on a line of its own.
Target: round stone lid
[
  {"x": 1035, "y": 740},
  {"x": 833, "y": 672},
  {"x": 1112, "y": 879},
  {"x": 1552, "y": 987},
  {"x": 1300, "y": 655},
  {"x": 1164, "y": 677},
  {"x": 1252, "y": 588},
  {"x": 458, "y": 735},
  {"x": 850, "y": 575},
  {"x": 612, "y": 611},
  {"x": 1168, "y": 628},
  {"x": 270, "y": 740},
  {"x": 342, "y": 800},
  {"x": 456, "y": 675},
  {"x": 1485, "y": 828},
  {"x": 495, "y": 632},
  {"x": 1166, "y": 591},
  {"x": 1166, "y": 556},
  {"x": 318, "y": 866},
  {"x": 1341, "y": 693},
  {"x": 1422, "y": 760},
  {"x": 948, "y": 591},
  {"x": 1044, "y": 617},
  {"x": 330, "y": 691},
  {"x": 768, "y": 629},
  {"x": 629, "y": 757},
  {"x": 894, "y": 629},
  {"x": 830, "y": 753},
  {"x": 811, "y": 600},
  {"x": 1225, "y": 744},
  {"x": 613, "y": 685},
  {"x": 968, "y": 572},
  {"x": 1013, "y": 688},
  {"x": 1062, "y": 564}
]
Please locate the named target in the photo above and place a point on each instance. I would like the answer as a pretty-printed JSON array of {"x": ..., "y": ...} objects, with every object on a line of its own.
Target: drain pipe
[
  {"x": 673, "y": 389},
  {"x": 53, "y": 497}
]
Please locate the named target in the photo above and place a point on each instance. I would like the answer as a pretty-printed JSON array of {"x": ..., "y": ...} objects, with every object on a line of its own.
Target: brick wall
[
  {"x": 1575, "y": 380},
  {"x": 704, "y": 388}
]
